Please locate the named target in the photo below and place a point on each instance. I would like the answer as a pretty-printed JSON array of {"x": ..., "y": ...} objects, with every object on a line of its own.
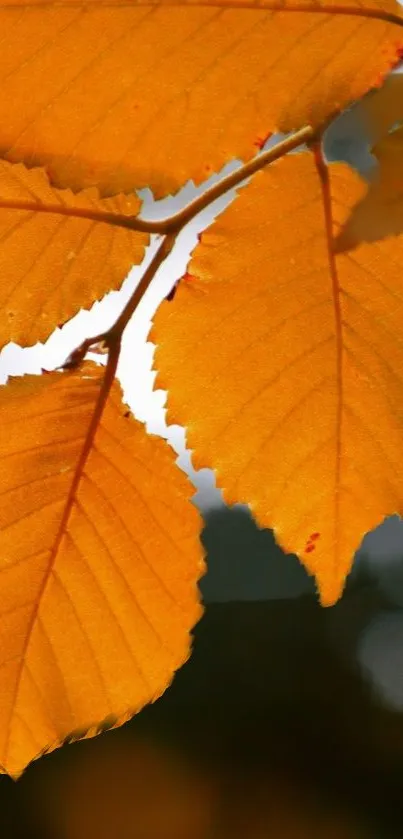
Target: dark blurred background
[{"x": 272, "y": 729}]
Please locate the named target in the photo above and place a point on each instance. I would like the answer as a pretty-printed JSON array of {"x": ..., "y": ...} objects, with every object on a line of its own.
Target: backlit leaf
[
  {"x": 285, "y": 364},
  {"x": 54, "y": 261},
  {"x": 98, "y": 564},
  {"x": 131, "y": 94}
]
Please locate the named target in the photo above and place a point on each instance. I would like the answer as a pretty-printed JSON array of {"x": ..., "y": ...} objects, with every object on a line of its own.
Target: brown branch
[
  {"x": 175, "y": 222},
  {"x": 112, "y": 337},
  {"x": 114, "y": 219},
  {"x": 171, "y": 227},
  {"x": 163, "y": 251},
  {"x": 178, "y": 220}
]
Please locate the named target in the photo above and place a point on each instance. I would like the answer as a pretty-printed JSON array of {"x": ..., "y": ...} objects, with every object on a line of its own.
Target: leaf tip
[{"x": 330, "y": 590}]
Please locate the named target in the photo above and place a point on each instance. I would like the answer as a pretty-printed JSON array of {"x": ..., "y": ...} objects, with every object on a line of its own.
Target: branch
[
  {"x": 114, "y": 219},
  {"x": 176, "y": 222},
  {"x": 112, "y": 337},
  {"x": 171, "y": 227}
]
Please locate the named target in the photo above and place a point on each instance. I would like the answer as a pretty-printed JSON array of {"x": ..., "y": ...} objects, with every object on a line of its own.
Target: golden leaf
[
  {"x": 99, "y": 558},
  {"x": 125, "y": 95},
  {"x": 59, "y": 252},
  {"x": 284, "y": 363}
]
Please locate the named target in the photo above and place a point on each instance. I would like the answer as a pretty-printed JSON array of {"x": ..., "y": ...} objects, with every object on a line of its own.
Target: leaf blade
[
  {"x": 299, "y": 63},
  {"x": 96, "y": 619},
  {"x": 289, "y": 425},
  {"x": 58, "y": 253}
]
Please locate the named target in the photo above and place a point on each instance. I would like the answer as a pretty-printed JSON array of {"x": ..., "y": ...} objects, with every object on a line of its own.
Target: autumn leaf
[
  {"x": 59, "y": 252},
  {"x": 99, "y": 563},
  {"x": 140, "y": 94},
  {"x": 379, "y": 214},
  {"x": 290, "y": 360}
]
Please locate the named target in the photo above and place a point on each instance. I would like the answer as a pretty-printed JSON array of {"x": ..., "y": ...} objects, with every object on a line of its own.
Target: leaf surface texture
[
  {"x": 132, "y": 94},
  {"x": 98, "y": 564},
  {"x": 54, "y": 261},
  {"x": 284, "y": 364}
]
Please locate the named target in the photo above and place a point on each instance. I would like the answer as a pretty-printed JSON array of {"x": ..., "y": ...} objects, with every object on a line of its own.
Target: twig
[
  {"x": 112, "y": 337},
  {"x": 176, "y": 221},
  {"x": 171, "y": 227}
]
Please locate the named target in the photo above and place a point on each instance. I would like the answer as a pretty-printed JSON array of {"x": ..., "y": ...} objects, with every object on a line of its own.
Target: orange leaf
[
  {"x": 99, "y": 563},
  {"x": 379, "y": 214},
  {"x": 53, "y": 259},
  {"x": 284, "y": 365},
  {"x": 124, "y": 95}
]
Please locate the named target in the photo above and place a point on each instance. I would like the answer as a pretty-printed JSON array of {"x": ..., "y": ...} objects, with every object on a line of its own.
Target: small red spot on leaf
[
  {"x": 314, "y": 536},
  {"x": 309, "y": 548},
  {"x": 260, "y": 142},
  {"x": 187, "y": 277},
  {"x": 399, "y": 50}
]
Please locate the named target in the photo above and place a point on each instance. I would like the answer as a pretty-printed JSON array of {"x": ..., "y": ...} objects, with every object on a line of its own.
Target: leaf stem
[
  {"x": 163, "y": 251},
  {"x": 171, "y": 227},
  {"x": 182, "y": 217},
  {"x": 176, "y": 221},
  {"x": 112, "y": 337}
]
